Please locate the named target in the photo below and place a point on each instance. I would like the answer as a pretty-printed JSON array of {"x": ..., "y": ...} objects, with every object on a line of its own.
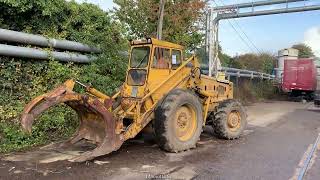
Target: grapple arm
[{"x": 97, "y": 123}]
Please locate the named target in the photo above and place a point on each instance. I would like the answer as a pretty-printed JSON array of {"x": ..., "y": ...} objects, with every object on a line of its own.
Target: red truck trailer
[{"x": 299, "y": 77}]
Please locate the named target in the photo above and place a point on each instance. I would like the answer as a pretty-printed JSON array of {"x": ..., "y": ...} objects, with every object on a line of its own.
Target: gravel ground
[{"x": 273, "y": 147}]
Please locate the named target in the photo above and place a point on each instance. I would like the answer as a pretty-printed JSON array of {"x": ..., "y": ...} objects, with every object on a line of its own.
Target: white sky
[
  {"x": 104, "y": 4},
  {"x": 268, "y": 33}
]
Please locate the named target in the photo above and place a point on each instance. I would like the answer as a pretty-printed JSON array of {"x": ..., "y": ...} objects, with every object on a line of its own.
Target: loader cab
[{"x": 150, "y": 62}]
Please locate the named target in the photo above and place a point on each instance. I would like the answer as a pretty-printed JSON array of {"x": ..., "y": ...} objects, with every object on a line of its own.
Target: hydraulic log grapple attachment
[{"x": 161, "y": 87}]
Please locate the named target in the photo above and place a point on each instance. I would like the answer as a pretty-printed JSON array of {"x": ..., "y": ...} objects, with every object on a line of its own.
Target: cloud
[{"x": 312, "y": 39}]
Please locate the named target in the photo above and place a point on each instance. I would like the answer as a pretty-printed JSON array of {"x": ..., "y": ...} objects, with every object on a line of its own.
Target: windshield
[
  {"x": 137, "y": 77},
  {"x": 139, "y": 57}
]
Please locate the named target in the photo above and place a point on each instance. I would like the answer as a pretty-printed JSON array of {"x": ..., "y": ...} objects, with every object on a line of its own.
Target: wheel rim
[
  {"x": 234, "y": 121},
  {"x": 185, "y": 122}
]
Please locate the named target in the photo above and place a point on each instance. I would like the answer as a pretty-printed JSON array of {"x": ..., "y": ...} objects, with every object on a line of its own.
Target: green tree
[
  {"x": 305, "y": 51},
  {"x": 23, "y": 79},
  {"x": 226, "y": 60},
  {"x": 263, "y": 62},
  {"x": 180, "y": 19}
]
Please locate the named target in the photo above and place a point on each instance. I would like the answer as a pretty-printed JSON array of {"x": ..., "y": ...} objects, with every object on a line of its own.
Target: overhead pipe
[
  {"x": 254, "y": 4},
  {"x": 37, "y": 40},
  {"x": 15, "y": 51},
  {"x": 267, "y": 12}
]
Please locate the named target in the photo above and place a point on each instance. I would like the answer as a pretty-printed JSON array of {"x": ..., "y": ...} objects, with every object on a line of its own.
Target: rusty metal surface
[{"x": 97, "y": 124}]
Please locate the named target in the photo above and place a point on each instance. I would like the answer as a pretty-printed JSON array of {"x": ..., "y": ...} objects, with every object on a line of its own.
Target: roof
[
  {"x": 158, "y": 42},
  {"x": 166, "y": 44}
]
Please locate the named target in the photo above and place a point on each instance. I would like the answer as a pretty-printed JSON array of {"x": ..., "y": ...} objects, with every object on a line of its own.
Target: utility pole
[{"x": 160, "y": 21}]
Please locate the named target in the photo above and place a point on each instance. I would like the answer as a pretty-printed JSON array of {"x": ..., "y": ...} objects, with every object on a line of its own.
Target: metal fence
[
  {"x": 234, "y": 72},
  {"x": 246, "y": 73}
]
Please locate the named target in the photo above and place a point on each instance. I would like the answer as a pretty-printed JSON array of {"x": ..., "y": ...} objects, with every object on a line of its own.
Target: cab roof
[{"x": 156, "y": 42}]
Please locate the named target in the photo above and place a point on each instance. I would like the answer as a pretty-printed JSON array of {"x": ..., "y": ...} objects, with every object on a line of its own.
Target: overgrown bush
[
  {"x": 263, "y": 62},
  {"x": 250, "y": 91},
  {"x": 23, "y": 79}
]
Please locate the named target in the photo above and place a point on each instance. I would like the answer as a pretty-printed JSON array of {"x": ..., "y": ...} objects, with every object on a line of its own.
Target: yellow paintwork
[
  {"x": 109, "y": 121},
  {"x": 70, "y": 84},
  {"x": 167, "y": 44},
  {"x": 156, "y": 42},
  {"x": 139, "y": 108},
  {"x": 234, "y": 121},
  {"x": 137, "y": 103},
  {"x": 97, "y": 93},
  {"x": 221, "y": 76},
  {"x": 185, "y": 123}
]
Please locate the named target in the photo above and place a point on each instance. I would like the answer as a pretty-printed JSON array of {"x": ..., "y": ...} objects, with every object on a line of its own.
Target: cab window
[
  {"x": 176, "y": 59},
  {"x": 137, "y": 77},
  {"x": 140, "y": 57},
  {"x": 161, "y": 58}
]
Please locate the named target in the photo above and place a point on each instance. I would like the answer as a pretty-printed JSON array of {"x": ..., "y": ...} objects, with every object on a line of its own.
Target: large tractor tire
[
  {"x": 178, "y": 121},
  {"x": 230, "y": 120}
]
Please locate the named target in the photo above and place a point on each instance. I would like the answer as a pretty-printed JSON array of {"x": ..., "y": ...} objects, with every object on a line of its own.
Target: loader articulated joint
[{"x": 196, "y": 72}]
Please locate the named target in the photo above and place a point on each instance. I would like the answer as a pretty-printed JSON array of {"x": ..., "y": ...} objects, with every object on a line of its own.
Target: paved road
[{"x": 274, "y": 146}]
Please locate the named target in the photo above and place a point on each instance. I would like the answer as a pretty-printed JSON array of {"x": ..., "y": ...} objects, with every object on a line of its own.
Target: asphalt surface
[{"x": 274, "y": 146}]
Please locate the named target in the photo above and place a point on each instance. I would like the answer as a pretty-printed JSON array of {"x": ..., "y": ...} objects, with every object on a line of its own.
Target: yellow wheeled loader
[{"x": 162, "y": 90}]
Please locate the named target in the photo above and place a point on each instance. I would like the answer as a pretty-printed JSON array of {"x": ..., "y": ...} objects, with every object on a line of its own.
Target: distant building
[
  {"x": 317, "y": 63},
  {"x": 285, "y": 54}
]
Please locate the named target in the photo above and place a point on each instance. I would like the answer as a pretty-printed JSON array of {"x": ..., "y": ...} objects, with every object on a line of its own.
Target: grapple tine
[
  {"x": 110, "y": 140},
  {"x": 106, "y": 147},
  {"x": 41, "y": 103}
]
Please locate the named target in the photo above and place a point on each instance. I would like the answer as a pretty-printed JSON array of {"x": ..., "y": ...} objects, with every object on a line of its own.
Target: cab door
[
  {"x": 164, "y": 62},
  {"x": 160, "y": 66}
]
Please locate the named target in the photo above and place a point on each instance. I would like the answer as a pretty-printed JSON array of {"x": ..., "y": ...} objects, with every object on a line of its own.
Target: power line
[
  {"x": 242, "y": 31},
  {"x": 243, "y": 49},
  {"x": 237, "y": 32},
  {"x": 235, "y": 29}
]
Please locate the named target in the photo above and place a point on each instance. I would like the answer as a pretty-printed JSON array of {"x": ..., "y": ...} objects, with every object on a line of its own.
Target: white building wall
[{"x": 285, "y": 54}]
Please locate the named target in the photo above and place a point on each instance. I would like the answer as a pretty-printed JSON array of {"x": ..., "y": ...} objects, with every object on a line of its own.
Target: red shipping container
[{"x": 299, "y": 75}]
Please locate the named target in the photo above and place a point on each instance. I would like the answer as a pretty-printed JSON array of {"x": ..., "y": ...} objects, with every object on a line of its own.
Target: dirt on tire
[
  {"x": 220, "y": 122},
  {"x": 164, "y": 120}
]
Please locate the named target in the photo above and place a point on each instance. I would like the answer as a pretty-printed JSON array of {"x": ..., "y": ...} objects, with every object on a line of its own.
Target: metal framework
[
  {"x": 254, "y": 4},
  {"x": 216, "y": 14}
]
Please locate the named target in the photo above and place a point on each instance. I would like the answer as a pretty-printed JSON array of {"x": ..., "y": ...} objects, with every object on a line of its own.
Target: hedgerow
[{"x": 23, "y": 79}]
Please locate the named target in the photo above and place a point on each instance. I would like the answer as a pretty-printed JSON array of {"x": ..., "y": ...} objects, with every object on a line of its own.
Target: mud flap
[{"x": 97, "y": 124}]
